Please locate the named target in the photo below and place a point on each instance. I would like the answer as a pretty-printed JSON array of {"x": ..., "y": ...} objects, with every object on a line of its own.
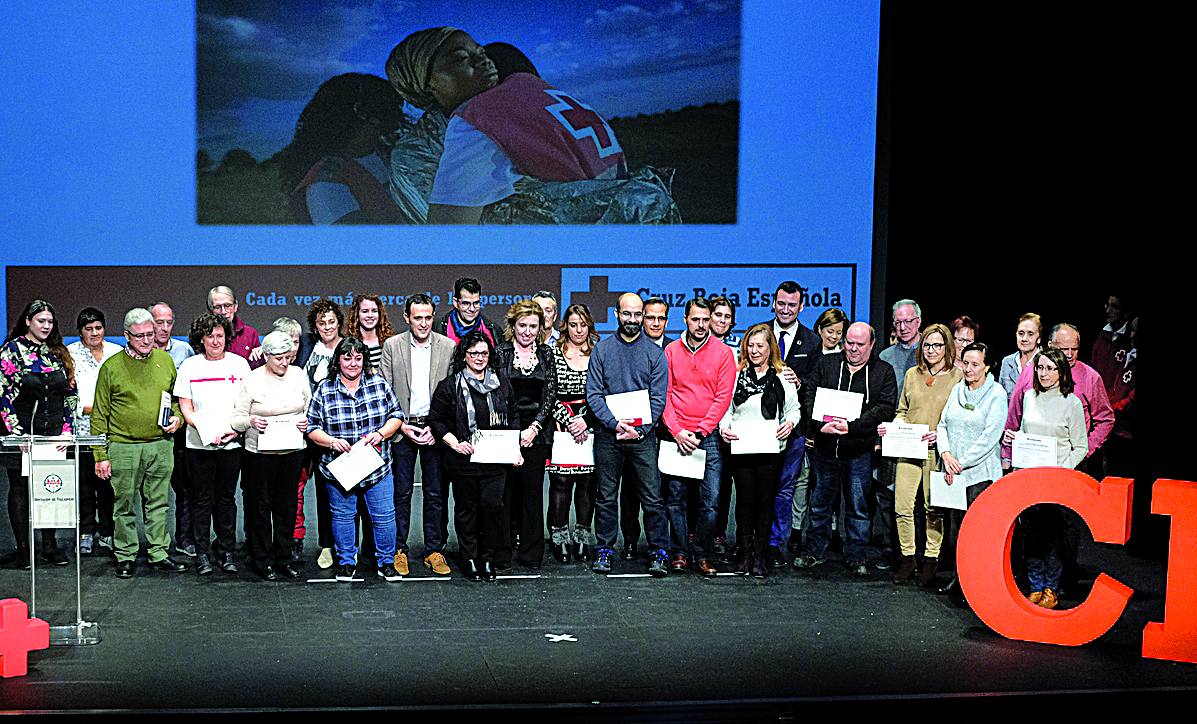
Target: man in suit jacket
[
  {"x": 801, "y": 349},
  {"x": 414, "y": 362}
]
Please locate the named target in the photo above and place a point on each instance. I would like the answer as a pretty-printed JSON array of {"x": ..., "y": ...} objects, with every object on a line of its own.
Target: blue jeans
[
  {"x": 1043, "y": 545},
  {"x": 403, "y": 465},
  {"x": 829, "y": 476},
  {"x": 708, "y": 502},
  {"x": 610, "y": 455},
  {"x": 380, "y": 503},
  {"x": 791, "y": 466}
]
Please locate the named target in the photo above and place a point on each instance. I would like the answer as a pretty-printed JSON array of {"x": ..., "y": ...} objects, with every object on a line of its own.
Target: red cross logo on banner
[
  {"x": 583, "y": 122},
  {"x": 19, "y": 635}
]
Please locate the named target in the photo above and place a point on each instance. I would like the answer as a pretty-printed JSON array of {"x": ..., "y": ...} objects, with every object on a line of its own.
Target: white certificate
[
  {"x": 87, "y": 393},
  {"x": 353, "y": 467},
  {"x": 281, "y": 434},
  {"x": 954, "y": 496},
  {"x": 211, "y": 425},
  {"x": 566, "y": 451},
  {"x": 495, "y": 446},
  {"x": 630, "y": 406},
  {"x": 755, "y": 436},
  {"x": 831, "y": 404},
  {"x": 44, "y": 452},
  {"x": 671, "y": 461},
  {"x": 1034, "y": 451},
  {"x": 902, "y": 440}
]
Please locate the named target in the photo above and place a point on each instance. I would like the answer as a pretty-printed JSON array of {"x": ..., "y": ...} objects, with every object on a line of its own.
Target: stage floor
[{"x": 567, "y": 637}]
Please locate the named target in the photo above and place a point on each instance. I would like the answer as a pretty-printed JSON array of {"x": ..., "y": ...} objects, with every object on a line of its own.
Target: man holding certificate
[
  {"x": 846, "y": 396},
  {"x": 352, "y": 409},
  {"x": 626, "y": 385},
  {"x": 702, "y": 377}
]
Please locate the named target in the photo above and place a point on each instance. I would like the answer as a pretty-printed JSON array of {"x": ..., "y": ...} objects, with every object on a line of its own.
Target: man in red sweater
[{"x": 702, "y": 378}]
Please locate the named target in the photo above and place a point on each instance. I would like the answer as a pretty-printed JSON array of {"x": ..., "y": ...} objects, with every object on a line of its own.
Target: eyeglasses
[
  {"x": 468, "y": 305},
  {"x": 480, "y": 353},
  {"x": 223, "y": 307},
  {"x": 932, "y": 346},
  {"x": 143, "y": 335},
  {"x": 1044, "y": 368},
  {"x": 962, "y": 340},
  {"x": 906, "y": 322}
]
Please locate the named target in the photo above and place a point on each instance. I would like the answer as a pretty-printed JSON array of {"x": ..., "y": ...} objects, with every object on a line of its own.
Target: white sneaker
[{"x": 325, "y": 559}]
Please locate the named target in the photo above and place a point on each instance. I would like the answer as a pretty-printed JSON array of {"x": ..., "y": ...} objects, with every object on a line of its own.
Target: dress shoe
[
  {"x": 905, "y": 571},
  {"x": 561, "y": 552},
  {"x": 602, "y": 562},
  {"x": 707, "y": 568},
  {"x": 679, "y": 564},
  {"x": 1035, "y": 597},
  {"x": 927, "y": 572},
  {"x": 629, "y": 552},
  {"x": 807, "y": 562},
  {"x": 169, "y": 565},
  {"x": 400, "y": 564},
  {"x": 659, "y": 567},
  {"x": 581, "y": 552},
  {"x": 267, "y": 573},
  {"x": 743, "y": 565},
  {"x": 1050, "y": 599},
  {"x": 289, "y": 570},
  {"x": 124, "y": 569},
  {"x": 203, "y": 565},
  {"x": 488, "y": 572},
  {"x": 471, "y": 570},
  {"x": 731, "y": 554},
  {"x": 720, "y": 546},
  {"x": 53, "y": 556},
  {"x": 436, "y": 563},
  {"x": 759, "y": 569},
  {"x": 776, "y": 559},
  {"x": 227, "y": 564},
  {"x": 297, "y": 550},
  {"x": 951, "y": 587}
]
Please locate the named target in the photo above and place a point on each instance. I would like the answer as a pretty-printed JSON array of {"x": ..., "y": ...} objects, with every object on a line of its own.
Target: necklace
[
  {"x": 970, "y": 398},
  {"x": 932, "y": 375},
  {"x": 527, "y": 363}
]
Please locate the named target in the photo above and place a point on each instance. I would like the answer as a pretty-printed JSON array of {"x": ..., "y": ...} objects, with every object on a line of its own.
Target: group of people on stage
[{"x": 632, "y": 425}]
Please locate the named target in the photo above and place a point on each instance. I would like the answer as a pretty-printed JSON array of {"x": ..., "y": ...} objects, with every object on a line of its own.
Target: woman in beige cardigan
[{"x": 924, "y": 394}]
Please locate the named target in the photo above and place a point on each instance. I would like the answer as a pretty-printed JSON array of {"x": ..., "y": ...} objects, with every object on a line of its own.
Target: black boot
[
  {"x": 561, "y": 552},
  {"x": 905, "y": 571},
  {"x": 488, "y": 572},
  {"x": 581, "y": 552},
  {"x": 744, "y": 558},
  {"x": 471, "y": 570}
]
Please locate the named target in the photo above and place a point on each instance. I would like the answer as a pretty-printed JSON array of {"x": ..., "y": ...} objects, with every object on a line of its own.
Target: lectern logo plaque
[{"x": 52, "y": 483}]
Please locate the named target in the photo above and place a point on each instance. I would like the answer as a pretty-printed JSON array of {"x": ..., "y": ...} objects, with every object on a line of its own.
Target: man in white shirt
[{"x": 413, "y": 363}]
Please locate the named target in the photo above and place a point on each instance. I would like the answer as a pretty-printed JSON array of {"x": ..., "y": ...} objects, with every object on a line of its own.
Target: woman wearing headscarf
[
  {"x": 38, "y": 396},
  {"x": 475, "y": 396}
]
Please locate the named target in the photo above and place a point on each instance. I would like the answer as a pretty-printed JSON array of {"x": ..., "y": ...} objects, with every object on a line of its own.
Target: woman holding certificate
[
  {"x": 925, "y": 391},
  {"x": 527, "y": 363},
  {"x": 475, "y": 397},
  {"x": 969, "y": 434},
  {"x": 206, "y": 386},
  {"x": 575, "y": 422},
  {"x": 1050, "y": 409},
  {"x": 764, "y": 412},
  {"x": 273, "y": 397}
]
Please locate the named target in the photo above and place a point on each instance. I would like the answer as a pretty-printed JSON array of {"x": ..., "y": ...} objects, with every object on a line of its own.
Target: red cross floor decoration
[{"x": 19, "y": 635}]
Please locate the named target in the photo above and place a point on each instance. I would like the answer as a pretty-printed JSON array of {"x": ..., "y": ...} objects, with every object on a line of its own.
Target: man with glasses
[
  {"x": 139, "y": 455},
  {"x": 627, "y": 361},
  {"x": 903, "y": 354},
  {"x": 223, "y": 301},
  {"x": 800, "y": 349},
  {"x": 466, "y": 315}
]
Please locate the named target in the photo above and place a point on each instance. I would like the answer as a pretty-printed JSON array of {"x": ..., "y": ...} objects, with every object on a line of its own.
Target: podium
[{"x": 54, "y": 503}]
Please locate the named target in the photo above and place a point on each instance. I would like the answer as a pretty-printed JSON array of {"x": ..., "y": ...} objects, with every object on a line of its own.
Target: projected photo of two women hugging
[{"x": 495, "y": 143}]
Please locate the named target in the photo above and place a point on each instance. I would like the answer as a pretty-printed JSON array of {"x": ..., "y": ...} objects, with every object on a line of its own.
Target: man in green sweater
[{"x": 139, "y": 456}]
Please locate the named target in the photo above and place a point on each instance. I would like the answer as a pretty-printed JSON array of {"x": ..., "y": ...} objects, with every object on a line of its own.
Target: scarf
[
  {"x": 485, "y": 386},
  {"x": 458, "y": 329},
  {"x": 409, "y": 67},
  {"x": 768, "y": 386}
]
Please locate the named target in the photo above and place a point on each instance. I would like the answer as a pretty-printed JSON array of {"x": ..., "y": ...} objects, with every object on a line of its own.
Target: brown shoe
[
  {"x": 905, "y": 571},
  {"x": 437, "y": 563},
  {"x": 1035, "y": 597},
  {"x": 401, "y": 566},
  {"x": 707, "y": 568},
  {"x": 679, "y": 564},
  {"x": 1049, "y": 600},
  {"x": 927, "y": 572}
]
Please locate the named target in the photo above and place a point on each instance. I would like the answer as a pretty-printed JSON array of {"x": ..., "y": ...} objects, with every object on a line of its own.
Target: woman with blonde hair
[
  {"x": 762, "y": 394},
  {"x": 925, "y": 391},
  {"x": 525, "y": 360}
]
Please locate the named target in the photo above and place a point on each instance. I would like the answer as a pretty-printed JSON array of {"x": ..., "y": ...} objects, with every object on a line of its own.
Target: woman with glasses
[
  {"x": 964, "y": 332},
  {"x": 925, "y": 391},
  {"x": 475, "y": 396},
  {"x": 1050, "y": 408},
  {"x": 38, "y": 396}
]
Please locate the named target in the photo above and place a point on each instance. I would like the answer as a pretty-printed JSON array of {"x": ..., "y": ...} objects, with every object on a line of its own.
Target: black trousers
[
  {"x": 182, "y": 490},
  {"x": 478, "y": 515},
  {"x": 723, "y": 508},
  {"x": 523, "y": 500},
  {"x": 95, "y": 497},
  {"x": 629, "y": 505},
  {"x": 212, "y": 476},
  {"x": 579, "y": 488},
  {"x": 757, "y": 480},
  {"x": 18, "y": 512},
  {"x": 270, "y": 481}
]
